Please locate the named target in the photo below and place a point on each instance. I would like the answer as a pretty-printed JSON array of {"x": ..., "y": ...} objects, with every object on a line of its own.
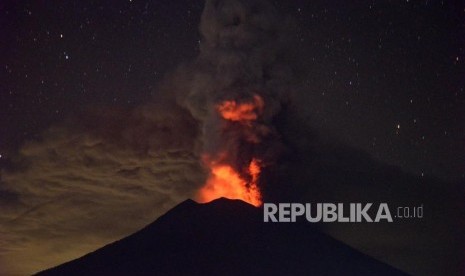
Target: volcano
[{"x": 224, "y": 237}]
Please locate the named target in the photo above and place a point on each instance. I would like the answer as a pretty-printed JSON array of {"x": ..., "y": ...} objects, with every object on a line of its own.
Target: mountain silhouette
[{"x": 224, "y": 237}]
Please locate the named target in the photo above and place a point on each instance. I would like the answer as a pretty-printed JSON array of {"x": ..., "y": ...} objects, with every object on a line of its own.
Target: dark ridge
[{"x": 223, "y": 237}]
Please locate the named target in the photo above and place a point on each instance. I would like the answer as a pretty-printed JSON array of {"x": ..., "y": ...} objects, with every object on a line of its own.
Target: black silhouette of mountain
[{"x": 224, "y": 237}]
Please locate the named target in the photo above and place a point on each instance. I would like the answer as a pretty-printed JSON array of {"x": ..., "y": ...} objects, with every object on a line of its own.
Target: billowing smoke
[
  {"x": 239, "y": 83},
  {"x": 242, "y": 55}
]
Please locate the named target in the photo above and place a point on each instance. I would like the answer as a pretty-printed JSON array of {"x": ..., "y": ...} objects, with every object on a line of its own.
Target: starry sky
[{"x": 383, "y": 77}]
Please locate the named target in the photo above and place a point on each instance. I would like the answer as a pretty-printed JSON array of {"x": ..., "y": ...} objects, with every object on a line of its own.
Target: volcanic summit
[{"x": 223, "y": 237}]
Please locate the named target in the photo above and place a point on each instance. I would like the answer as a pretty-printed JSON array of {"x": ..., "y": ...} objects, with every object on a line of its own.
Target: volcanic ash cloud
[{"x": 238, "y": 85}]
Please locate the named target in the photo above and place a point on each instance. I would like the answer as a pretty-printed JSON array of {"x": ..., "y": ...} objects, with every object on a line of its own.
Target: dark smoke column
[{"x": 241, "y": 63}]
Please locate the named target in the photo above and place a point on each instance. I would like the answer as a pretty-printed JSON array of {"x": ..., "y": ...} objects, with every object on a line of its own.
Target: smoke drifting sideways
[
  {"x": 107, "y": 172},
  {"x": 91, "y": 180}
]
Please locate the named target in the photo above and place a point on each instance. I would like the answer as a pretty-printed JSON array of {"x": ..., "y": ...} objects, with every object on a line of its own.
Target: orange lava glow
[
  {"x": 241, "y": 112},
  {"x": 224, "y": 181}
]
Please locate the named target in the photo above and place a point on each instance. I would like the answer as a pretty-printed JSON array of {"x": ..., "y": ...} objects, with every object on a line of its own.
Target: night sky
[
  {"x": 79, "y": 82},
  {"x": 386, "y": 78}
]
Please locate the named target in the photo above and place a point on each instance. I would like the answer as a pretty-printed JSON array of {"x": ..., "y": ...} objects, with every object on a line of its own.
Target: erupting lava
[
  {"x": 241, "y": 112},
  {"x": 224, "y": 180}
]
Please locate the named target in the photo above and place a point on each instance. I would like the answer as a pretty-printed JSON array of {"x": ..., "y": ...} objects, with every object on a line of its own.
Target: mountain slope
[{"x": 223, "y": 237}]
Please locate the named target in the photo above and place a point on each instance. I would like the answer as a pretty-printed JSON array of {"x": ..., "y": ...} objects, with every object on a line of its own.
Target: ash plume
[{"x": 243, "y": 54}]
